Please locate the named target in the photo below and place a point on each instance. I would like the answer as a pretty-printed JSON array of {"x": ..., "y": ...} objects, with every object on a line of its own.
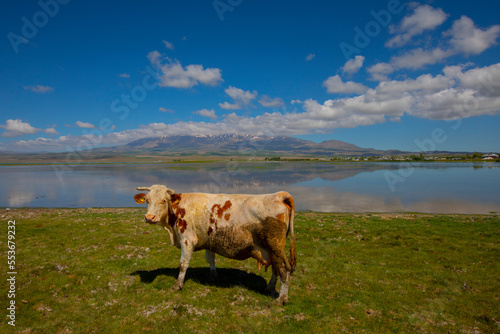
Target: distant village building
[{"x": 490, "y": 156}]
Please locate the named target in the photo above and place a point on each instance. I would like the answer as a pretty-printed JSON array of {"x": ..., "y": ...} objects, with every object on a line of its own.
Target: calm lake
[{"x": 316, "y": 186}]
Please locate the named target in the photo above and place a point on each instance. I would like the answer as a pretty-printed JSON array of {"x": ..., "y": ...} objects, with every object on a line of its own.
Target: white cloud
[
  {"x": 455, "y": 103},
  {"x": 16, "y": 128},
  {"x": 84, "y": 125},
  {"x": 452, "y": 95},
  {"x": 414, "y": 59},
  {"x": 241, "y": 98},
  {"x": 238, "y": 94},
  {"x": 468, "y": 39},
  {"x": 335, "y": 84},
  {"x": 418, "y": 58},
  {"x": 51, "y": 131},
  {"x": 173, "y": 74},
  {"x": 207, "y": 113},
  {"x": 353, "y": 65},
  {"x": 124, "y": 75},
  {"x": 229, "y": 106},
  {"x": 484, "y": 80},
  {"x": 176, "y": 76},
  {"x": 424, "y": 84},
  {"x": 423, "y": 18},
  {"x": 39, "y": 89},
  {"x": 380, "y": 71},
  {"x": 169, "y": 45},
  {"x": 463, "y": 38},
  {"x": 268, "y": 102},
  {"x": 165, "y": 110},
  {"x": 154, "y": 57},
  {"x": 342, "y": 113},
  {"x": 310, "y": 57}
]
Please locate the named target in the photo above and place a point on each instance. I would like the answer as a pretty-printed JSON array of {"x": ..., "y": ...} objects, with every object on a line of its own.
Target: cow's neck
[{"x": 168, "y": 224}]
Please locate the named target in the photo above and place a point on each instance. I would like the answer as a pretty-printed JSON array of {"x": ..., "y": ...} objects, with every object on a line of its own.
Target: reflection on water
[{"x": 344, "y": 187}]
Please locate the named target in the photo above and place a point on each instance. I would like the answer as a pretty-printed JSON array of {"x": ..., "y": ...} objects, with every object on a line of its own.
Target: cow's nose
[{"x": 150, "y": 218}]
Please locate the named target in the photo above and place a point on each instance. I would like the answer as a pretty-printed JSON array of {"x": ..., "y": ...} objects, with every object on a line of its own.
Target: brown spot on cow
[
  {"x": 213, "y": 220},
  {"x": 210, "y": 230},
  {"x": 186, "y": 242},
  {"x": 172, "y": 218},
  {"x": 219, "y": 210},
  {"x": 281, "y": 217},
  {"x": 182, "y": 224},
  {"x": 227, "y": 216},
  {"x": 179, "y": 211}
]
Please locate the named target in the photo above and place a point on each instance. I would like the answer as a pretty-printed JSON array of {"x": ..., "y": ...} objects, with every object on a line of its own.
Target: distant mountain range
[
  {"x": 228, "y": 145},
  {"x": 235, "y": 144}
]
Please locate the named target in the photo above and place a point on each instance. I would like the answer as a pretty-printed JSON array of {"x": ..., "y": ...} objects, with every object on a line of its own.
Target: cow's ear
[
  {"x": 170, "y": 191},
  {"x": 140, "y": 198}
]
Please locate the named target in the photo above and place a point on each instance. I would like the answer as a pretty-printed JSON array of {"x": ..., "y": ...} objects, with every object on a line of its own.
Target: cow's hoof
[
  {"x": 212, "y": 277},
  {"x": 280, "y": 301}
]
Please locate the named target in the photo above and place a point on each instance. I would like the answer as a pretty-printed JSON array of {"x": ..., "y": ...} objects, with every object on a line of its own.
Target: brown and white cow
[{"x": 234, "y": 226}]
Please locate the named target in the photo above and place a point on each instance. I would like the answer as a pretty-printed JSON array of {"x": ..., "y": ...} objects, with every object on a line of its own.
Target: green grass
[{"x": 104, "y": 271}]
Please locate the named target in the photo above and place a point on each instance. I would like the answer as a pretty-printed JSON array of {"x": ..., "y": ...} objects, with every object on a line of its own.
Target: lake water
[{"x": 316, "y": 186}]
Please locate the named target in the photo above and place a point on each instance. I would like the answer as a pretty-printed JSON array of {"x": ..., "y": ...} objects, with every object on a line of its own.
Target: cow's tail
[{"x": 291, "y": 214}]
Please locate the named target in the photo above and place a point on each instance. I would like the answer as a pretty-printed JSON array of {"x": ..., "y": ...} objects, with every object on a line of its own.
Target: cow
[{"x": 235, "y": 226}]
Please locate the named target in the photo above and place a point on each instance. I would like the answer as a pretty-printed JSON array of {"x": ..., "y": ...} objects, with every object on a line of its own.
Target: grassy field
[{"x": 104, "y": 271}]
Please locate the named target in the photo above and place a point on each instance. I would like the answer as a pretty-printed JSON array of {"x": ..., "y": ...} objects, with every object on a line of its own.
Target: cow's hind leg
[
  {"x": 210, "y": 256},
  {"x": 282, "y": 270},
  {"x": 283, "y": 297},
  {"x": 275, "y": 237}
]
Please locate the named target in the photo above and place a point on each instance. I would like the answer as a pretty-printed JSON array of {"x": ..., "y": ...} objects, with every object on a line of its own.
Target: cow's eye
[{"x": 164, "y": 201}]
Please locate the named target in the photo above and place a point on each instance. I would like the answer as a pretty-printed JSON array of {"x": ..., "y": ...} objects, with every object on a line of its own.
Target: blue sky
[{"x": 383, "y": 74}]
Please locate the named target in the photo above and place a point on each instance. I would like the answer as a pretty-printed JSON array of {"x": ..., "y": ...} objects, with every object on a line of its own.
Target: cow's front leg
[
  {"x": 186, "y": 253},
  {"x": 210, "y": 256}
]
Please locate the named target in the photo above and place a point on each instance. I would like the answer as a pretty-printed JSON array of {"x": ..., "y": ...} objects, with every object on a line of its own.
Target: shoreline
[
  {"x": 395, "y": 214},
  {"x": 157, "y": 160},
  {"x": 312, "y": 160}
]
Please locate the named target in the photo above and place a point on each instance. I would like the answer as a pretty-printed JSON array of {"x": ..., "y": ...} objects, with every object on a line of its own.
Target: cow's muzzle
[{"x": 150, "y": 219}]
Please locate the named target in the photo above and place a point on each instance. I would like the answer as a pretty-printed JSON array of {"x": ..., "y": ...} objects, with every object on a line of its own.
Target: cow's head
[{"x": 158, "y": 199}]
